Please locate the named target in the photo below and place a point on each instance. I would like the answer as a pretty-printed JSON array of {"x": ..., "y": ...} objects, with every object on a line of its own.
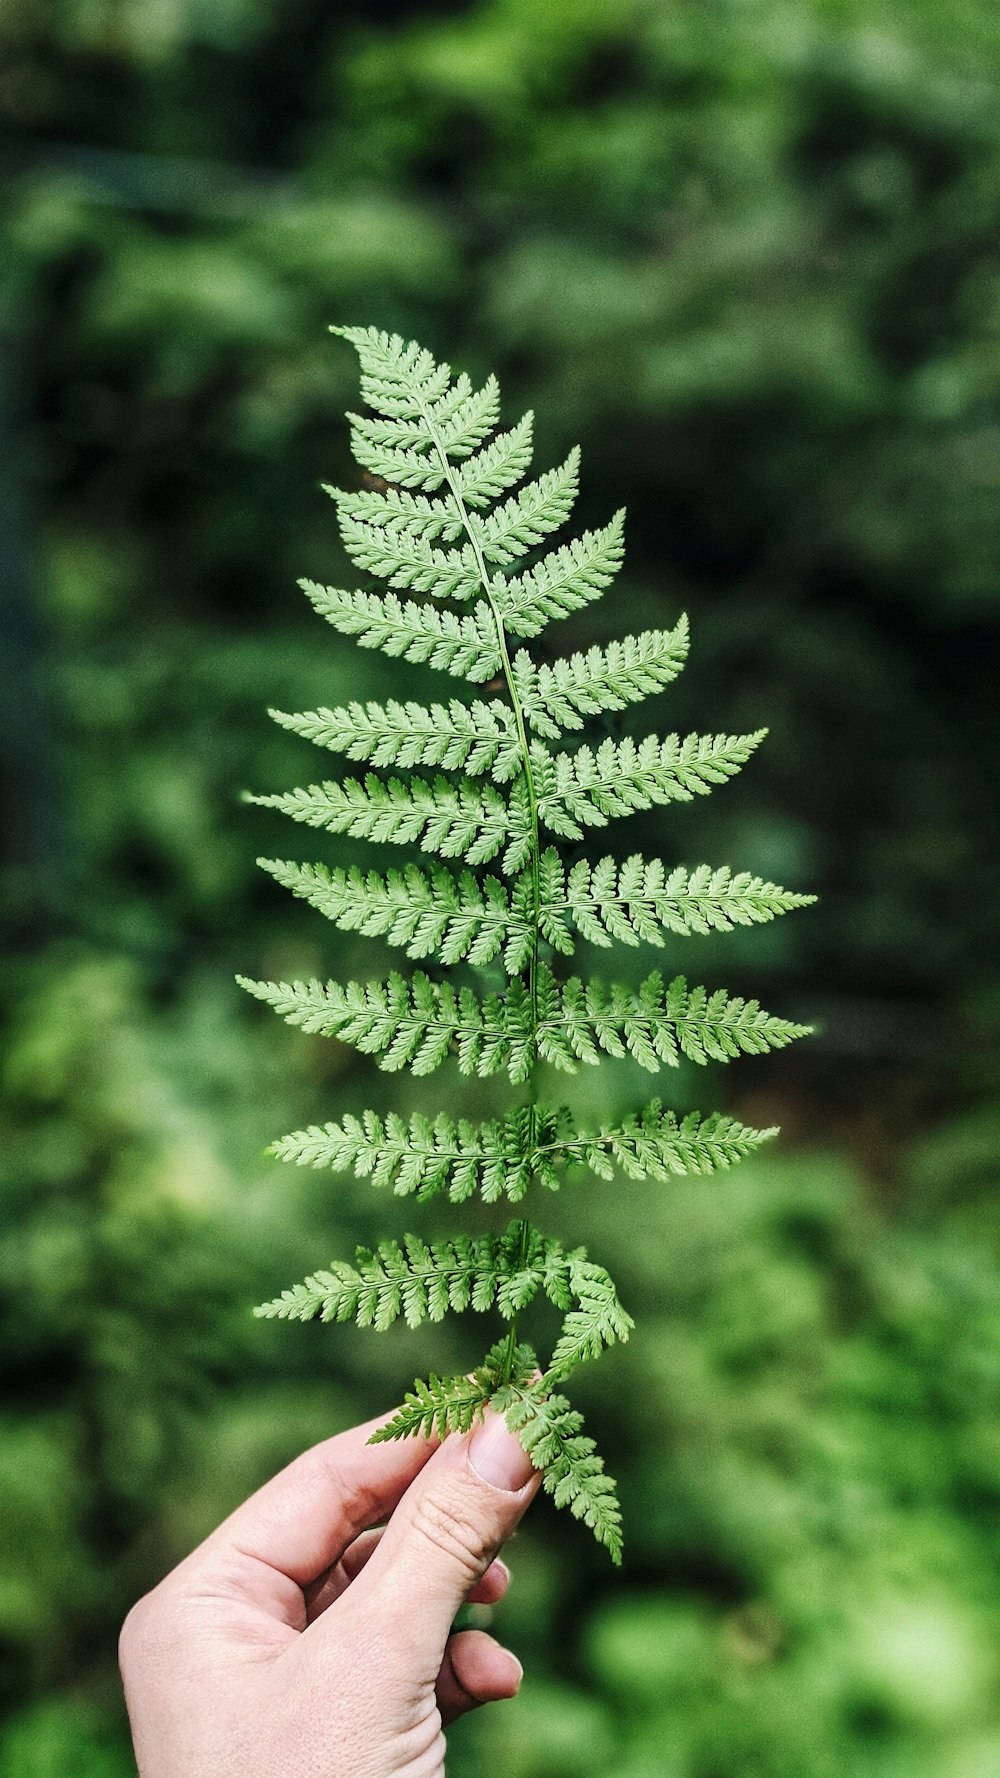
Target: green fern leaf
[
  {"x": 435, "y": 1408},
  {"x": 420, "y": 1281},
  {"x": 465, "y": 646},
  {"x": 655, "y": 1144},
  {"x": 427, "y": 1157},
  {"x": 455, "y": 1404},
  {"x": 427, "y": 912},
  {"x": 467, "y": 417},
  {"x": 499, "y": 466},
  {"x": 563, "y": 581},
  {"x": 413, "y": 1023},
  {"x": 399, "y": 434},
  {"x": 462, "y": 418},
  {"x": 398, "y": 377},
  {"x": 588, "y": 789},
  {"x": 410, "y": 562},
  {"x": 473, "y": 738},
  {"x": 599, "y": 1321},
  {"x": 396, "y": 510},
  {"x": 635, "y": 901},
  {"x": 406, "y": 468},
  {"x": 532, "y": 515},
  {"x": 655, "y": 1025},
  {"x": 563, "y": 695},
  {"x": 455, "y": 821}
]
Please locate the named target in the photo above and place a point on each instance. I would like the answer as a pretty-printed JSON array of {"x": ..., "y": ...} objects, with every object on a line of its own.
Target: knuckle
[
  {"x": 133, "y": 1637},
  {"x": 449, "y": 1517},
  {"x": 146, "y": 1635}
]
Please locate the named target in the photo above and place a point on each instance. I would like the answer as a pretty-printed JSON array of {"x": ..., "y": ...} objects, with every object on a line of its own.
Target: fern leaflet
[
  {"x": 563, "y": 695},
  {"x": 473, "y": 738}
]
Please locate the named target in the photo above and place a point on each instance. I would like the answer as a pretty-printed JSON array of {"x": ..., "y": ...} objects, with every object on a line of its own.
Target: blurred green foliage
[{"x": 748, "y": 254}]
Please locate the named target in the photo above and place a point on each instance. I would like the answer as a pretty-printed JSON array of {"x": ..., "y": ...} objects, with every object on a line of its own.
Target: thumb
[{"x": 443, "y": 1536}]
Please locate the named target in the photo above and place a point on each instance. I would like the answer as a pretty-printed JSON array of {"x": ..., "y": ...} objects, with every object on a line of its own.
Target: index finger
[{"x": 302, "y": 1521}]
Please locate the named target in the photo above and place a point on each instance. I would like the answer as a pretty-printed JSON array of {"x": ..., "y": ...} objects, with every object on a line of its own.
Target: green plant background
[{"x": 746, "y": 251}]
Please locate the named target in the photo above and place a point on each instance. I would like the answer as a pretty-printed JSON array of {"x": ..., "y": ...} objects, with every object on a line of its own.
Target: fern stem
[
  {"x": 507, "y": 1366},
  {"x": 535, "y": 851},
  {"x": 508, "y": 673}
]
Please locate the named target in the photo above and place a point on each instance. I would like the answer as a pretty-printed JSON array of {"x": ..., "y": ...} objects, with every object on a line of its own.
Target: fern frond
[
  {"x": 563, "y": 581},
  {"x": 473, "y": 738},
  {"x": 405, "y": 468},
  {"x": 572, "y": 1472},
  {"x": 563, "y": 695},
  {"x": 428, "y": 1156},
  {"x": 524, "y": 521},
  {"x": 393, "y": 434},
  {"x": 465, "y": 646},
  {"x": 417, "y": 1023},
  {"x": 413, "y": 1023},
  {"x": 636, "y": 900},
  {"x": 460, "y": 917},
  {"x": 448, "y": 516},
  {"x": 656, "y": 1025},
  {"x": 588, "y": 788},
  {"x": 453, "y": 820},
  {"x": 500, "y": 1158}
]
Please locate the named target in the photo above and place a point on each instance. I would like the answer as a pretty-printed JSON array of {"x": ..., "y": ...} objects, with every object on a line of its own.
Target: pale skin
[{"x": 297, "y": 1639}]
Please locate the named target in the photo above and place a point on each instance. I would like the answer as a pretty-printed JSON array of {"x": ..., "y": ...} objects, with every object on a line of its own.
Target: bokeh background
[{"x": 746, "y": 252}]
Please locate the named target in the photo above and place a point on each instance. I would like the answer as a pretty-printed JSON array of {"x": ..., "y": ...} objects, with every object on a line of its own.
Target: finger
[
  {"x": 301, "y": 1522},
  {"x": 323, "y": 1592},
  {"x": 475, "y": 1670},
  {"x": 491, "y": 1589},
  {"x": 443, "y": 1537}
]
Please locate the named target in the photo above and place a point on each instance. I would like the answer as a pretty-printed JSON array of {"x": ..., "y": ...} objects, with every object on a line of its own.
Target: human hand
[{"x": 298, "y": 1640}]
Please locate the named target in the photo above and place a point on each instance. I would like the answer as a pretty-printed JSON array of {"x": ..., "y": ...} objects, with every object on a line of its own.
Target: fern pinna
[{"x": 488, "y": 780}]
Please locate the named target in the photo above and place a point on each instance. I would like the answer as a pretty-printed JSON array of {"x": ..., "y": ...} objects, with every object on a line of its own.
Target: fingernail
[
  {"x": 517, "y": 1670},
  {"x": 498, "y": 1457}
]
